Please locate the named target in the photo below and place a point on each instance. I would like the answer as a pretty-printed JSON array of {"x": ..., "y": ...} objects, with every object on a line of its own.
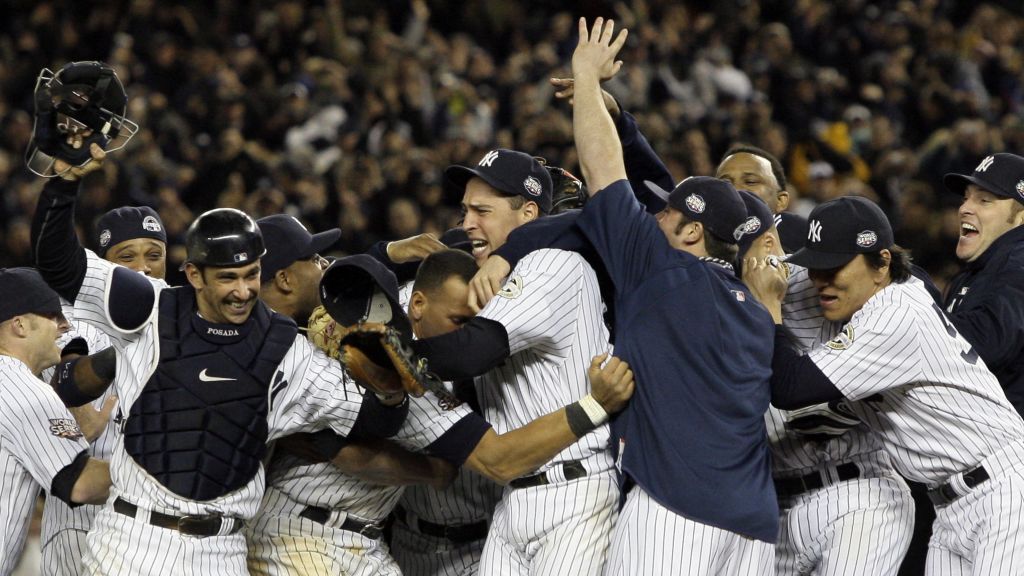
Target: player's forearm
[
  {"x": 508, "y": 456},
  {"x": 57, "y": 253},
  {"x": 93, "y": 485},
  {"x": 597, "y": 141},
  {"x": 86, "y": 378},
  {"x": 381, "y": 462},
  {"x": 796, "y": 381}
]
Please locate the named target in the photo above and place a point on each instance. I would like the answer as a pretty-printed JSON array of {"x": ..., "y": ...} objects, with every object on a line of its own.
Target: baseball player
[
  {"x": 41, "y": 445},
  {"x": 695, "y": 430},
  {"x": 318, "y": 517},
  {"x": 133, "y": 237},
  {"x": 843, "y": 508},
  {"x": 911, "y": 378},
  {"x": 986, "y": 301},
  {"x": 293, "y": 266},
  {"x": 528, "y": 351},
  {"x": 212, "y": 372}
]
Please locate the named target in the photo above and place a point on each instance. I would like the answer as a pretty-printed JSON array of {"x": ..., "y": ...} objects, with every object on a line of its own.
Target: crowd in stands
[{"x": 345, "y": 112}]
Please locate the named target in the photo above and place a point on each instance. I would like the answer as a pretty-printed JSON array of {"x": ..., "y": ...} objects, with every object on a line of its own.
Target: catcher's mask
[
  {"x": 358, "y": 289},
  {"x": 81, "y": 96}
]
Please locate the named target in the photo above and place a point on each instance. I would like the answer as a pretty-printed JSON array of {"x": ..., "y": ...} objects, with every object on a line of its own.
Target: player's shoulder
[{"x": 562, "y": 263}]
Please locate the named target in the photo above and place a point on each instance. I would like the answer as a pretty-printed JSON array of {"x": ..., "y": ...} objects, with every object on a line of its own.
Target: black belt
[
  {"x": 789, "y": 487},
  {"x": 323, "y": 515},
  {"x": 460, "y": 534},
  {"x": 573, "y": 470},
  {"x": 191, "y": 525},
  {"x": 945, "y": 494}
]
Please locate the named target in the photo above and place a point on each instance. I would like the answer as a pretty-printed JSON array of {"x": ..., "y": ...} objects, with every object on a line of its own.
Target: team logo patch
[
  {"x": 104, "y": 238},
  {"x": 843, "y": 341},
  {"x": 513, "y": 288},
  {"x": 1020, "y": 188},
  {"x": 150, "y": 224},
  {"x": 241, "y": 257},
  {"x": 488, "y": 158},
  {"x": 867, "y": 239},
  {"x": 740, "y": 296},
  {"x": 695, "y": 203},
  {"x": 533, "y": 186},
  {"x": 814, "y": 231},
  {"x": 65, "y": 428},
  {"x": 750, "y": 226}
]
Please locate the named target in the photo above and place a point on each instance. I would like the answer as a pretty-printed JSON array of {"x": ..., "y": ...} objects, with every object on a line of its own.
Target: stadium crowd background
[{"x": 344, "y": 113}]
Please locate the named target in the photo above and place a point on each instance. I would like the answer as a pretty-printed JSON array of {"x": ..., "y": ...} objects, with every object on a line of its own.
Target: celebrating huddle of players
[{"x": 673, "y": 379}]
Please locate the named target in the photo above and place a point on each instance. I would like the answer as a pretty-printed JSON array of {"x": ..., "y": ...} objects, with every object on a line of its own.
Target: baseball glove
[{"x": 372, "y": 353}]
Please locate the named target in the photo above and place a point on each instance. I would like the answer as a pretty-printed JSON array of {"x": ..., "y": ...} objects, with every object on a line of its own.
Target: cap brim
[
  {"x": 957, "y": 183},
  {"x": 456, "y": 178},
  {"x": 658, "y": 191},
  {"x": 324, "y": 240},
  {"x": 815, "y": 260}
]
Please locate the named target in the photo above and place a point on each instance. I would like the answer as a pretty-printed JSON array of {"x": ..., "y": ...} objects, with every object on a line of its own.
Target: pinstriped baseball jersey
[
  {"x": 294, "y": 485},
  {"x": 58, "y": 516},
  {"x": 309, "y": 392},
  {"x": 938, "y": 409},
  {"x": 38, "y": 438},
  {"x": 551, "y": 308}
]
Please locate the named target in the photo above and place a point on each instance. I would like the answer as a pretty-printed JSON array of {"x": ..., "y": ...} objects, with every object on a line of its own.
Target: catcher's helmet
[
  {"x": 80, "y": 96},
  {"x": 224, "y": 237}
]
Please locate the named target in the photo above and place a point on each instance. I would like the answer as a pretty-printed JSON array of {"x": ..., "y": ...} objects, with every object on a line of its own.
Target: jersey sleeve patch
[
  {"x": 65, "y": 428},
  {"x": 843, "y": 340},
  {"x": 513, "y": 288}
]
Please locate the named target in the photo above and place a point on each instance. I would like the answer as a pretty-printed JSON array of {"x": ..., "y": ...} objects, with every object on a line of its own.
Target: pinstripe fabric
[
  {"x": 421, "y": 555},
  {"x": 64, "y": 528},
  {"x": 557, "y": 529},
  {"x": 31, "y": 451},
  {"x": 316, "y": 393},
  {"x": 650, "y": 539},
  {"x": 552, "y": 311},
  {"x": 845, "y": 528}
]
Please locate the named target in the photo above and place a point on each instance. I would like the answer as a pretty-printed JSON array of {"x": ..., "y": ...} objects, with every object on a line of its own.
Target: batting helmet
[
  {"x": 81, "y": 96},
  {"x": 224, "y": 237}
]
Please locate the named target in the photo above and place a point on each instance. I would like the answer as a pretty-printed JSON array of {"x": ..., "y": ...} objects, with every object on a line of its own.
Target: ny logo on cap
[
  {"x": 985, "y": 164},
  {"x": 488, "y": 158},
  {"x": 814, "y": 231}
]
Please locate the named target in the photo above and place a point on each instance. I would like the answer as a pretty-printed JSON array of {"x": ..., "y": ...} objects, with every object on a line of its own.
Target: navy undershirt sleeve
[
  {"x": 57, "y": 253},
  {"x": 459, "y": 441},
  {"x": 375, "y": 420},
  {"x": 64, "y": 482},
  {"x": 642, "y": 163},
  {"x": 796, "y": 381},
  {"x": 478, "y": 346}
]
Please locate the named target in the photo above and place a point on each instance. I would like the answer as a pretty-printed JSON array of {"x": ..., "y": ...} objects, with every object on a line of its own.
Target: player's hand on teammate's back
[
  {"x": 595, "y": 53},
  {"x": 611, "y": 382},
  {"x": 487, "y": 281},
  {"x": 767, "y": 279},
  {"x": 72, "y": 173},
  {"x": 93, "y": 422},
  {"x": 414, "y": 248}
]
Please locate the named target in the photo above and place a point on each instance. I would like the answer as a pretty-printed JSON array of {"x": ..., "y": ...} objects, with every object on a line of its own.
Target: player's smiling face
[
  {"x": 843, "y": 291},
  {"x": 488, "y": 216},
  {"x": 225, "y": 295},
  {"x": 984, "y": 217}
]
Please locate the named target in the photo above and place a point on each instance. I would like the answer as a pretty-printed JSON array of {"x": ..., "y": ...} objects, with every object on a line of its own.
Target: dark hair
[
  {"x": 899, "y": 264},
  {"x": 515, "y": 200},
  {"x": 777, "y": 169},
  {"x": 438, "y": 267}
]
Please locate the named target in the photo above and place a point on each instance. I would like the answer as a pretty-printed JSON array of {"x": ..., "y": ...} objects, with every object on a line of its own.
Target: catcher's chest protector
[{"x": 199, "y": 427}]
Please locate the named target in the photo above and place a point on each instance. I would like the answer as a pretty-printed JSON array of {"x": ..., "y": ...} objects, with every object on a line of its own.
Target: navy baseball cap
[
  {"x": 509, "y": 172},
  {"x": 359, "y": 288},
  {"x": 792, "y": 229},
  {"x": 714, "y": 203},
  {"x": 128, "y": 223},
  {"x": 759, "y": 220},
  {"x": 840, "y": 229},
  {"x": 288, "y": 241},
  {"x": 457, "y": 239},
  {"x": 1001, "y": 174},
  {"x": 25, "y": 292}
]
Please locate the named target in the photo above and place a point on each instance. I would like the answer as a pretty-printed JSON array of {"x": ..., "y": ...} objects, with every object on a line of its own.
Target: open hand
[{"x": 595, "y": 53}]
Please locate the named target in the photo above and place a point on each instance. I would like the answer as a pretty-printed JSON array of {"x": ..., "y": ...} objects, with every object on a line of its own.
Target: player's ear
[
  {"x": 283, "y": 281},
  {"x": 782, "y": 197},
  {"x": 194, "y": 276},
  {"x": 530, "y": 211},
  {"x": 417, "y": 303}
]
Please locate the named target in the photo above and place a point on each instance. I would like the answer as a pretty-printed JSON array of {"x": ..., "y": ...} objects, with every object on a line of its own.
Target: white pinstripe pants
[
  {"x": 62, "y": 553},
  {"x": 650, "y": 539},
  {"x": 982, "y": 532},
  {"x": 850, "y": 528}
]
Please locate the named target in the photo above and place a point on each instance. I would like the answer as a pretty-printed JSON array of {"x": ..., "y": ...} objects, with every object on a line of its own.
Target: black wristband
[
  {"x": 66, "y": 387},
  {"x": 579, "y": 421}
]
